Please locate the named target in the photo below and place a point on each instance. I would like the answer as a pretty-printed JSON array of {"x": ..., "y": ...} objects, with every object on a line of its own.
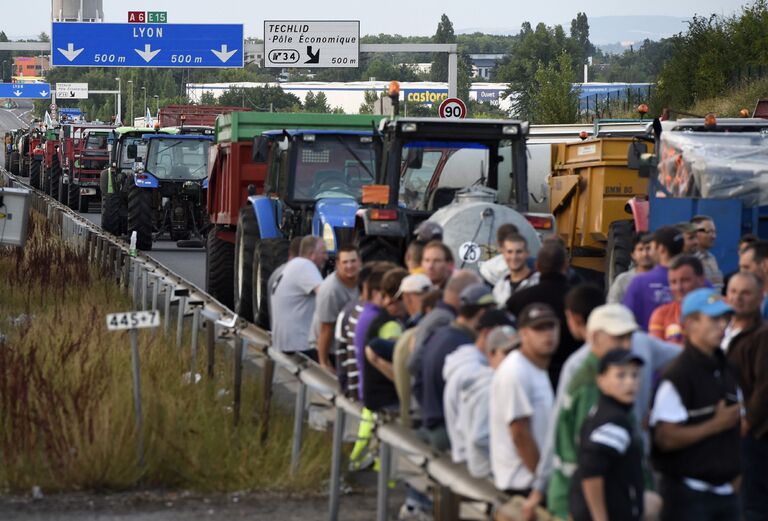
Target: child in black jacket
[{"x": 608, "y": 484}]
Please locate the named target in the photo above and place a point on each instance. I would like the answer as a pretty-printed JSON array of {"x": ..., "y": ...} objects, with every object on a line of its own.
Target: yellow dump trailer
[{"x": 590, "y": 187}]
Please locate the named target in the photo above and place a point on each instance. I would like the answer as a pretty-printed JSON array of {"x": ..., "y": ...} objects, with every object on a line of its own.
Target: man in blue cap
[{"x": 695, "y": 419}]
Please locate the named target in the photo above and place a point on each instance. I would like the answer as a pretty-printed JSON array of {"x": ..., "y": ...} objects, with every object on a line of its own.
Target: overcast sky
[{"x": 414, "y": 17}]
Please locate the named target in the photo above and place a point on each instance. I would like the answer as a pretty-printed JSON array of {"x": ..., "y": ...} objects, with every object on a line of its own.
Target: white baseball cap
[
  {"x": 614, "y": 319},
  {"x": 416, "y": 283}
]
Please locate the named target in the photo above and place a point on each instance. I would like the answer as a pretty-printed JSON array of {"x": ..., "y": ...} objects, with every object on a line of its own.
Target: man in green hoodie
[{"x": 609, "y": 327}]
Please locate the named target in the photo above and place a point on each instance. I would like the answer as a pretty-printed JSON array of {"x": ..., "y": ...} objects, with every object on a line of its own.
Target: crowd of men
[{"x": 650, "y": 403}]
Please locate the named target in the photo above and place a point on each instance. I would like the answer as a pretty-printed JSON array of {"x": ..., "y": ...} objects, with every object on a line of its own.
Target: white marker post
[{"x": 132, "y": 321}]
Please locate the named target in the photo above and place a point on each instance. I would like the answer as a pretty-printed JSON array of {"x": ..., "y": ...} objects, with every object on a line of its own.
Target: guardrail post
[
  {"x": 336, "y": 456},
  {"x": 446, "y": 504},
  {"x": 240, "y": 346},
  {"x": 195, "y": 333},
  {"x": 136, "y": 277},
  {"x": 99, "y": 244},
  {"x": 168, "y": 295},
  {"x": 144, "y": 284},
  {"x": 266, "y": 396},
  {"x": 382, "y": 487},
  {"x": 298, "y": 427},
  {"x": 126, "y": 271},
  {"x": 180, "y": 321},
  {"x": 155, "y": 290},
  {"x": 210, "y": 340}
]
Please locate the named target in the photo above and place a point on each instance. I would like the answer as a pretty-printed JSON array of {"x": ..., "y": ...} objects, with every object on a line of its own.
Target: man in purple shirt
[
  {"x": 370, "y": 311},
  {"x": 649, "y": 290}
]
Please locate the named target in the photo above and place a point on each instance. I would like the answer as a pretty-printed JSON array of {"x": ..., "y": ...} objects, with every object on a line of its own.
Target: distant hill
[{"x": 612, "y": 30}]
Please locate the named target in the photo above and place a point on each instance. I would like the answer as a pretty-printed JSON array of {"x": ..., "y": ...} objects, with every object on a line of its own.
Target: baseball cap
[
  {"x": 495, "y": 318},
  {"x": 477, "y": 295},
  {"x": 416, "y": 283},
  {"x": 502, "y": 337},
  {"x": 535, "y": 314},
  {"x": 614, "y": 319},
  {"x": 428, "y": 231},
  {"x": 705, "y": 300},
  {"x": 618, "y": 356}
]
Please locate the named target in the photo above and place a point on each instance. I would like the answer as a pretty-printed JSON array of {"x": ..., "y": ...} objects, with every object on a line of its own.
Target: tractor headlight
[{"x": 329, "y": 237}]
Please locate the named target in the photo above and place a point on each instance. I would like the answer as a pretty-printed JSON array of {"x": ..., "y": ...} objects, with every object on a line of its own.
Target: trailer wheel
[
  {"x": 618, "y": 250},
  {"x": 140, "y": 213},
  {"x": 34, "y": 174},
  {"x": 14, "y": 163},
  {"x": 82, "y": 202},
  {"x": 245, "y": 241},
  {"x": 268, "y": 255},
  {"x": 219, "y": 267},
  {"x": 73, "y": 195},
  {"x": 55, "y": 179}
]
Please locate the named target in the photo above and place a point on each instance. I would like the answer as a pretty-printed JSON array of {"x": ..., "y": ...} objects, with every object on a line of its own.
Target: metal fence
[{"x": 153, "y": 286}]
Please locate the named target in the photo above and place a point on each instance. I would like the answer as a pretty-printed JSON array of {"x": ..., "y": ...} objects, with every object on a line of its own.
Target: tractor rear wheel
[
  {"x": 245, "y": 241},
  {"x": 14, "y": 166},
  {"x": 34, "y": 174},
  {"x": 618, "y": 250},
  {"x": 267, "y": 256},
  {"x": 219, "y": 267},
  {"x": 140, "y": 216},
  {"x": 55, "y": 179}
]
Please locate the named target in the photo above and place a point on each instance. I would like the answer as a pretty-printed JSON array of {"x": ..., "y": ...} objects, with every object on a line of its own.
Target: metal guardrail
[{"x": 148, "y": 280}]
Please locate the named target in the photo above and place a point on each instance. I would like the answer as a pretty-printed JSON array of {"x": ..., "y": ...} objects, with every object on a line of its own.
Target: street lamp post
[
  {"x": 118, "y": 116},
  {"x": 130, "y": 84},
  {"x": 145, "y": 100}
]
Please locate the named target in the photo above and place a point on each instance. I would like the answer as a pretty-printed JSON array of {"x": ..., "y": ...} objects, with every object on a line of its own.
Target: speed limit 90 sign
[{"x": 453, "y": 108}]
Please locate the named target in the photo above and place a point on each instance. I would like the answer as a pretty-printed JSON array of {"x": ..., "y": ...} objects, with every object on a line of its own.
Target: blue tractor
[
  {"x": 314, "y": 186},
  {"x": 166, "y": 195}
]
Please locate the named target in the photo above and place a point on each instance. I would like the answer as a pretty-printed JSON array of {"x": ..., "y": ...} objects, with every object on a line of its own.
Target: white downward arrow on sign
[
  {"x": 148, "y": 53},
  {"x": 70, "y": 53},
  {"x": 44, "y": 93},
  {"x": 224, "y": 54},
  {"x": 17, "y": 92}
]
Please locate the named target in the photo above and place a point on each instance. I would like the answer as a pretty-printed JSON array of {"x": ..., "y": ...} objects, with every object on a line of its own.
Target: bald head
[
  {"x": 745, "y": 294},
  {"x": 456, "y": 284}
]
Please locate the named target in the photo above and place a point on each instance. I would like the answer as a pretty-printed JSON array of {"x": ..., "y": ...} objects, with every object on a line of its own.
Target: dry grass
[
  {"x": 66, "y": 407},
  {"x": 730, "y": 104}
]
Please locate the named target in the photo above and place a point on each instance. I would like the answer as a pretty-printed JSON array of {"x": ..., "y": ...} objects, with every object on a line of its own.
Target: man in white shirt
[
  {"x": 514, "y": 249},
  {"x": 293, "y": 300},
  {"x": 521, "y": 401}
]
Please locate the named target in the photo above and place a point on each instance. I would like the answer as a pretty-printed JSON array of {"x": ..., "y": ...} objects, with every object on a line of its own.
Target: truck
[
  {"x": 235, "y": 179},
  {"x": 166, "y": 192},
  {"x": 705, "y": 166},
  {"x": 116, "y": 180}
]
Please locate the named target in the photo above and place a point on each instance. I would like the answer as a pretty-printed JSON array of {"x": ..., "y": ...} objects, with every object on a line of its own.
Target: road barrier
[{"x": 146, "y": 279}]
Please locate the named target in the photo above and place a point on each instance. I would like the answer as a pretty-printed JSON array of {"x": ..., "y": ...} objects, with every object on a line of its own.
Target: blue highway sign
[
  {"x": 25, "y": 90},
  {"x": 146, "y": 45}
]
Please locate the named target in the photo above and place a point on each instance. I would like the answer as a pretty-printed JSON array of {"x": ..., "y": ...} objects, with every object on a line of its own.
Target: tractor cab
[
  {"x": 167, "y": 157},
  {"x": 305, "y": 166}
]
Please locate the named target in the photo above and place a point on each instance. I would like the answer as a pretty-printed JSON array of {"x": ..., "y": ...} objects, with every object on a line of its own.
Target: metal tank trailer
[{"x": 470, "y": 223}]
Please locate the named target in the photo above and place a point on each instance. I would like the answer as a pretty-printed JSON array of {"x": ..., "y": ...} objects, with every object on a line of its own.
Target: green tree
[
  {"x": 581, "y": 47},
  {"x": 444, "y": 34},
  {"x": 207, "y": 98},
  {"x": 551, "y": 96},
  {"x": 261, "y": 98},
  {"x": 371, "y": 97},
  {"x": 316, "y": 103}
]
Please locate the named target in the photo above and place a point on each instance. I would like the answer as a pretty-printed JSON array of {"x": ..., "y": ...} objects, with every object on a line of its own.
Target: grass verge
[{"x": 66, "y": 407}]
